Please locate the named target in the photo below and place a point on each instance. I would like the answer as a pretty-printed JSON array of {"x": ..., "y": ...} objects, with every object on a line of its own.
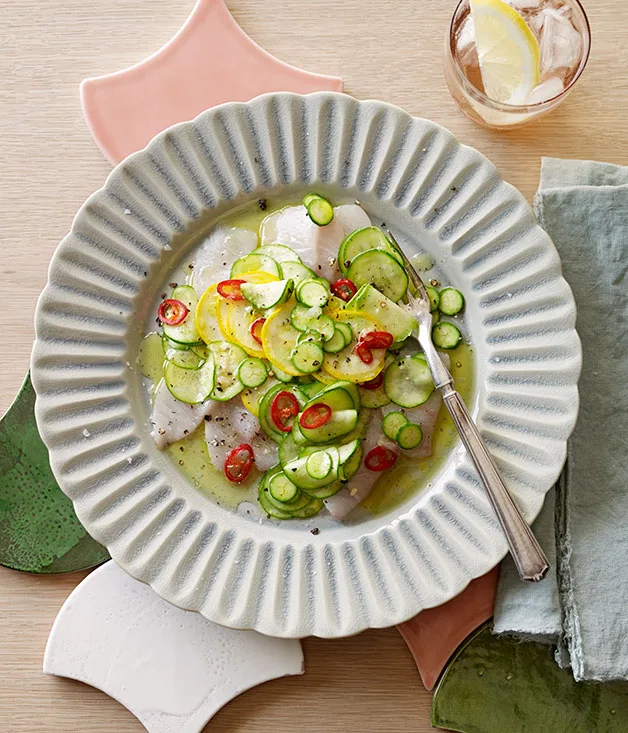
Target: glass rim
[{"x": 503, "y": 106}]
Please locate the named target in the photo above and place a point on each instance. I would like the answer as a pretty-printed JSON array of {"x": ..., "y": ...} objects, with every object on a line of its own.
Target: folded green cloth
[{"x": 583, "y": 608}]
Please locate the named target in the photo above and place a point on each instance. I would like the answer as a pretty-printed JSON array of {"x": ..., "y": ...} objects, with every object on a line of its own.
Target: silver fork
[{"x": 529, "y": 558}]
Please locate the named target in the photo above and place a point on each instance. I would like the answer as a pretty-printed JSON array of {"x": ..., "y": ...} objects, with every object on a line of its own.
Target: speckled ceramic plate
[{"x": 91, "y": 410}]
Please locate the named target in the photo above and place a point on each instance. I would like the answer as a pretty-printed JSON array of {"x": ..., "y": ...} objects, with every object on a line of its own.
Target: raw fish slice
[
  {"x": 374, "y": 435},
  {"x": 316, "y": 246},
  {"x": 221, "y": 431},
  {"x": 266, "y": 452},
  {"x": 173, "y": 420},
  {"x": 228, "y": 424},
  {"x": 351, "y": 217},
  {"x": 245, "y": 423},
  {"x": 340, "y": 505},
  {"x": 219, "y": 251},
  {"x": 360, "y": 485},
  {"x": 294, "y": 228}
]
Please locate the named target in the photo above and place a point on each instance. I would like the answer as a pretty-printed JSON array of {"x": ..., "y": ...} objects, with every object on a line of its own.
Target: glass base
[{"x": 492, "y": 119}]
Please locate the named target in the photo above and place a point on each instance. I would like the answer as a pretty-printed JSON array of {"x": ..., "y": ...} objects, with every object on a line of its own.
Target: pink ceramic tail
[
  {"x": 435, "y": 634},
  {"x": 209, "y": 61}
]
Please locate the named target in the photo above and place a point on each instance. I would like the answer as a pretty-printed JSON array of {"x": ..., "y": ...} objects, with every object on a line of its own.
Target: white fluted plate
[{"x": 279, "y": 578}]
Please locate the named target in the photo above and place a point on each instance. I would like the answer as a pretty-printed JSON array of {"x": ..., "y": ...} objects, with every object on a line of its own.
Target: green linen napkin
[{"x": 583, "y": 607}]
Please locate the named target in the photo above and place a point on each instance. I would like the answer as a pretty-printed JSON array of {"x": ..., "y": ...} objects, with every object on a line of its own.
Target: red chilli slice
[
  {"x": 172, "y": 312},
  {"x": 315, "y": 416},
  {"x": 256, "y": 329},
  {"x": 344, "y": 289},
  {"x": 238, "y": 463},
  {"x": 377, "y": 339},
  {"x": 283, "y": 409},
  {"x": 230, "y": 289},
  {"x": 380, "y": 458},
  {"x": 364, "y": 352},
  {"x": 374, "y": 383}
]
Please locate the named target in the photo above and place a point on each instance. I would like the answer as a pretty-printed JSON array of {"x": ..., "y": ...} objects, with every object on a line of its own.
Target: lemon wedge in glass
[{"x": 507, "y": 50}]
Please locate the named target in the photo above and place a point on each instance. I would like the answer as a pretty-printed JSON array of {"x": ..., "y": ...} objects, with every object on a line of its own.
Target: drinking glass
[{"x": 562, "y": 31}]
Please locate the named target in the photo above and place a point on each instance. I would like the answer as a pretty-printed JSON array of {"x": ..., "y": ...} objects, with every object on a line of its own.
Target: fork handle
[{"x": 526, "y": 552}]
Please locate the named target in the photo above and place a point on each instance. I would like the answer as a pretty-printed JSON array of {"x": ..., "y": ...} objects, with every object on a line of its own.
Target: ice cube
[
  {"x": 547, "y": 89},
  {"x": 525, "y": 4},
  {"x": 465, "y": 44},
  {"x": 560, "y": 43},
  {"x": 467, "y": 54},
  {"x": 525, "y": 7},
  {"x": 528, "y": 9}
]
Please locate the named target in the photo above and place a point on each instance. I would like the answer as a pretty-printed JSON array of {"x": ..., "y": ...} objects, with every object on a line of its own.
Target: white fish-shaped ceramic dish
[{"x": 172, "y": 669}]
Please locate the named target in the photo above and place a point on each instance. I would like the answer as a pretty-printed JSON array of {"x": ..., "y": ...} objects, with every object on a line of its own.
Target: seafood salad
[{"x": 290, "y": 349}]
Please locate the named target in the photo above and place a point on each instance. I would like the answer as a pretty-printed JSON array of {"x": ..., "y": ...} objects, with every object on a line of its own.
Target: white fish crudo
[{"x": 292, "y": 345}]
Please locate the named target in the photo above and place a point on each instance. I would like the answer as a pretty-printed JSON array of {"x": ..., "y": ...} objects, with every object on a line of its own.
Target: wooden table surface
[{"x": 49, "y": 165}]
